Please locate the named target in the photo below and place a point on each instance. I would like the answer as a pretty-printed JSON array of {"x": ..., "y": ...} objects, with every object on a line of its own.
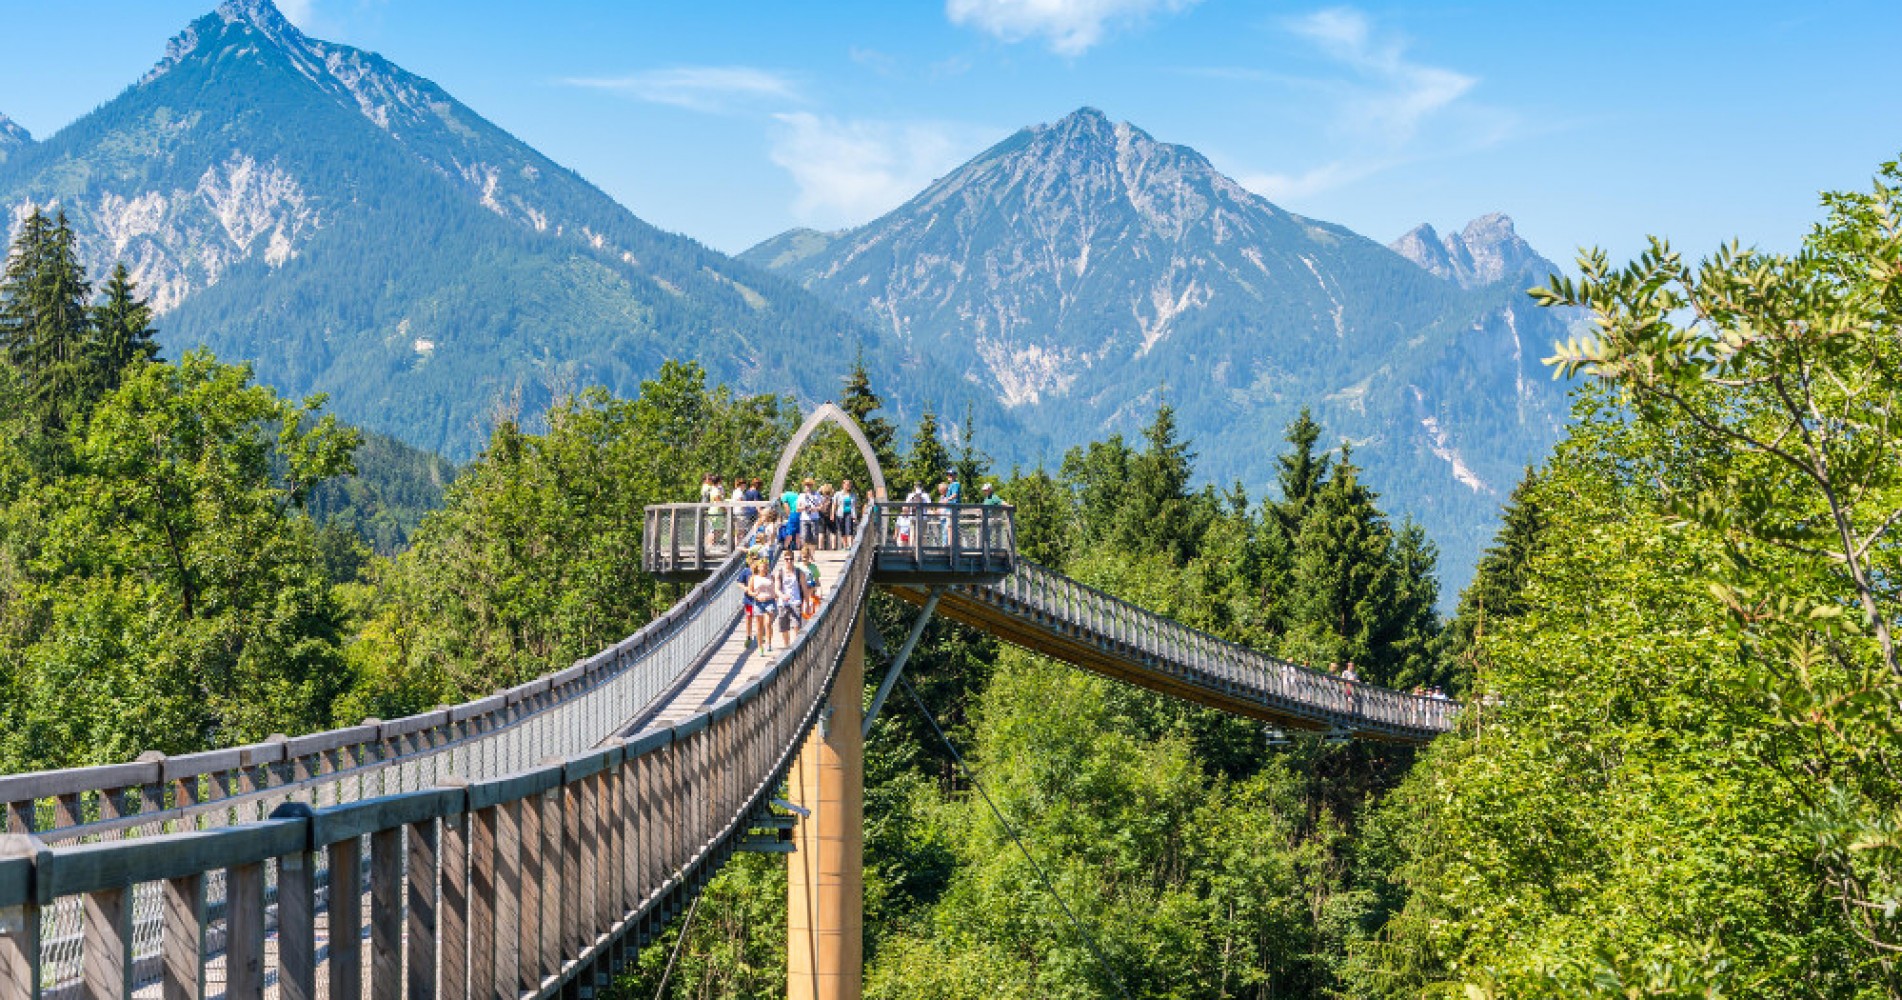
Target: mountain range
[
  {"x": 351, "y": 228},
  {"x": 1080, "y": 271}
]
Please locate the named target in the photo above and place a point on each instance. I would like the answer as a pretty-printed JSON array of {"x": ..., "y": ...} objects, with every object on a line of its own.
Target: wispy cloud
[
  {"x": 1387, "y": 107},
  {"x": 298, "y": 12},
  {"x": 1394, "y": 93},
  {"x": 1069, "y": 27},
  {"x": 699, "y": 88},
  {"x": 1326, "y": 177},
  {"x": 850, "y": 171}
]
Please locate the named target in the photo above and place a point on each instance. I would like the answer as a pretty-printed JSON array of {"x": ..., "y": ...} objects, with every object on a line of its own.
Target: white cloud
[
  {"x": 848, "y": 172},
  {"x": 1386, "y": 107},
  {"x": 1069, "y": 26},
  {"x": 698, "y": 88},
  {"x": 1326, "y": 177},
  {"x": 1393, "y": 94},
  {"x": 298, "y": 12}
]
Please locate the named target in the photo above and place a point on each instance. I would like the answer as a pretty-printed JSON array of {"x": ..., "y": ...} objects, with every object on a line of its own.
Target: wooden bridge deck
[{"x": 729, "y": 668}]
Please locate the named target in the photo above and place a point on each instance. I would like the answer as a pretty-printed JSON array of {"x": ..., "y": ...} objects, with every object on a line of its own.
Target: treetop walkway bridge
[{"x": 527, "y": 843}]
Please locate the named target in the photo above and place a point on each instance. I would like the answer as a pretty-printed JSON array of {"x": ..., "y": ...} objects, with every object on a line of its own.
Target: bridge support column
[{"x": 825, "y": 895}]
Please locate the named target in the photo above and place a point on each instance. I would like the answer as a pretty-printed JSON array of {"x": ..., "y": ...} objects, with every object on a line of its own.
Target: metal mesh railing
[
  {"x": 1190, "y": 656},
  {"x": 534, "y": 883},
  {"x": 552, "y": 717}
]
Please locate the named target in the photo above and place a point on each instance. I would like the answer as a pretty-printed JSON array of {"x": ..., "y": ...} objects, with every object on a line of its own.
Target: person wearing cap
[{"x": 990, "y": 498}]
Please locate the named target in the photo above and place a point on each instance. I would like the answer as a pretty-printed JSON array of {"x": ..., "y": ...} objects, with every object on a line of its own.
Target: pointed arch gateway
[{"x": 831, "y": 412}]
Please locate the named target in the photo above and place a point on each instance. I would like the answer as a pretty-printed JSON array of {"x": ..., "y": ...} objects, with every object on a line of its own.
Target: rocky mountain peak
[
  {"x": 1423, "y": 246},
  {"x": 12, "y": 137},
  {"x": 1082, "y": 127},
  {"x": 260, "y": 14},
  {"x": 1487, "y": 251},
  {"x": 12, "y": 133}
]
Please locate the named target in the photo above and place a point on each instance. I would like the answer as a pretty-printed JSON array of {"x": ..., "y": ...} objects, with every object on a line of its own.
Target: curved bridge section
[{"x": 1049, "y": 613}]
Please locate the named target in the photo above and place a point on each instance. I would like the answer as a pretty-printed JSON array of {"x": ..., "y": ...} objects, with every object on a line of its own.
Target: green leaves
[{"x": 167, "y": 591}]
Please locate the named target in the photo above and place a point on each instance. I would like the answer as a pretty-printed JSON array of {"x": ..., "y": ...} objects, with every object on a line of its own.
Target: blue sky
[{"x": 1589, "y": 124}]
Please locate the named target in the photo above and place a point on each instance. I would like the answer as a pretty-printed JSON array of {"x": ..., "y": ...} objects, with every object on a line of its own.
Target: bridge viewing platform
[
  {"x": 961, "y": 560},
  {"x": 527, "y": 843}
]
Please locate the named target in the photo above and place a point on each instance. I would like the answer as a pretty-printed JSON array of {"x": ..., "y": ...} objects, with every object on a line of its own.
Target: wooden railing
[
  {"x": 688, "y": 539},
  {"x": 533, "y": 883}
]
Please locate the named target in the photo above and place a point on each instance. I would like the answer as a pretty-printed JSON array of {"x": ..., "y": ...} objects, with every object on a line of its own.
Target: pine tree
[
  {"x": 1301, "y": 474},
  {"x": 970, "y": 461},
  {"x": 928, "y": 460},
  {"x": 122, "y": 332},
  {"x": 1408, "y": 653},
  {"x": 44, "y": 322},
  {"x": 1162, "y": 513},
  {"x": 858, "y": 399},
  {"x": 1498, "y": 582},
  {"x": 1344, "y": 580}
]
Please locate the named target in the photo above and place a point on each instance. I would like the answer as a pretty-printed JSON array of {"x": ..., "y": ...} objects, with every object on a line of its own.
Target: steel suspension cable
[
  {"x": 686, "y": 924},
  {"x": 1089, "y": 941}
]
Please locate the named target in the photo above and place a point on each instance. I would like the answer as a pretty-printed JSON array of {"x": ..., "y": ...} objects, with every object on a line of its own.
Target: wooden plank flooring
[{"x": 734, "y": 665}]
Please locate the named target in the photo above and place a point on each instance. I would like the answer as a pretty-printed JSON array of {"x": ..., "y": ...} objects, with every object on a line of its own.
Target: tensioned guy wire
[{"x": 969, "y": 775}]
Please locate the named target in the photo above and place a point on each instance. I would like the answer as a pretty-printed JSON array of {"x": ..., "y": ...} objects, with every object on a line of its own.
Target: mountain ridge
[
  {"x": 12, "y": 136},
  {"x": 1074, "y": 268},
  {"x": 1489, "y": 250},
  {"x": 352, "y": 228}
]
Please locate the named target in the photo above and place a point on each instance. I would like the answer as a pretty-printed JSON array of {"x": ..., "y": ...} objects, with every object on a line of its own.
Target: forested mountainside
[
  {"x": 351, "y": 228},
  {"x": 1077, "y": 272}
]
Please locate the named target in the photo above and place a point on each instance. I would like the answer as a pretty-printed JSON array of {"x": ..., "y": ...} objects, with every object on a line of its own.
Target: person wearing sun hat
[{"x": 988, "y": 497}]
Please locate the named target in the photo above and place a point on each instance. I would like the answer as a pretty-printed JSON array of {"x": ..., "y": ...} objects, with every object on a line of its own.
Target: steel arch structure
[{"x": 842, "y": 420}]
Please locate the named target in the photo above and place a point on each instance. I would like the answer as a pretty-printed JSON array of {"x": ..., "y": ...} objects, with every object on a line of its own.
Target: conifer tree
[
  {"x": 1160, "y": 513},
  {"x": 1301, "y": 474},
  {"x": 927, "y": 460},
  {"x": 44, "y": 321},
  {"x": 1409, "y": 656},
  {"x": 858, "y": 400},
  {"x": 122, "y": 332},
  {"x": 970, "y": 462},
  {"x": 1344, "y": 579},
  {"x": 1498, "y": 582}
]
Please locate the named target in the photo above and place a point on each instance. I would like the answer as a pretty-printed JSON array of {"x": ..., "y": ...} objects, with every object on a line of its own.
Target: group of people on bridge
[
  {"x": 823, "y": 516},
  {"x": 781, "y": 539}
]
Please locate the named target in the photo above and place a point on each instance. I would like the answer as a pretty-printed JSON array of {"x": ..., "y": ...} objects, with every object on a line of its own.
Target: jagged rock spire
[{"x": 1487, "y": 251}]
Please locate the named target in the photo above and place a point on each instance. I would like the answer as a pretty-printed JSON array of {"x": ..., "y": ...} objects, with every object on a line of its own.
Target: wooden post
[
  {"x": 482, "y": 902},
  {"x": 825, "y": 877},
  {"x": 453, "y": 912},
  {"x": 530, "y": 934},
  {"x": 574, "y": 807},
  {"x": 108, "y": 943},
  {"x": 386, "y": 914},
  {"x": 346, "y": 920},
  {"x": 182, "y": 948},
  {"x": 297, "y": 923},
  {"x": 508, "y": 899},
  {"x": 554, "y": 870},
  {"x": 421, "y": 930},
  {"x": 244, "y": 922},
  {"x": 20, "y": 925}
]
